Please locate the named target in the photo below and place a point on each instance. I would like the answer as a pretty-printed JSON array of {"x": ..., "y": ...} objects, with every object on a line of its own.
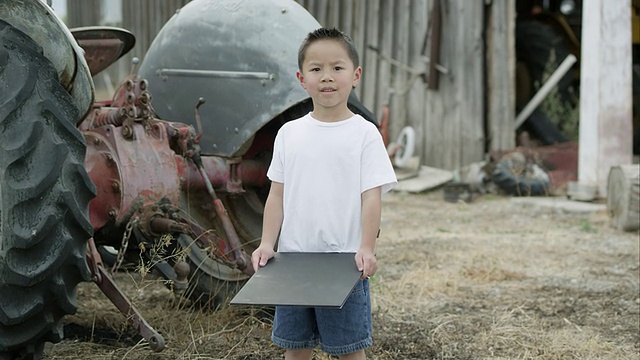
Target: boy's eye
[
  {"x": 315, "y": 69},
  {"x": 338, "y": 68}
]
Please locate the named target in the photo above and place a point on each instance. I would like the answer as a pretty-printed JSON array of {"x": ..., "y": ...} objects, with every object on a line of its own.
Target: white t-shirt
[{"x": 325, "y": 167}]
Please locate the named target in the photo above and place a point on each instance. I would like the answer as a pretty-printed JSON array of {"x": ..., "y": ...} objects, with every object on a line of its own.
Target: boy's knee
[
  {"x": 358, "y": 355},
  {"x": 298, "y": 354}
]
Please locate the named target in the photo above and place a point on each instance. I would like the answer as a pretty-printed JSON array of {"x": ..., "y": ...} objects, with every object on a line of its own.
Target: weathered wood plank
[
  {"x": 439, "y": 102},
  {"x": 500, "y": 40},
  {"x": 457, "y": 56},
  {"x": 83, "y": 13},
  {"x": 321, "y": 12},
  {"x": 416, "y": 96},
  {"x": 471, "y": 119},
  {"x": 623, "y": 197},
  {"x": 385, "y": 46},
  {"x": 346, "y": 16},
  {"x": 370, "y": 70},
  {"x": 333, "y": 13},
  {"x": 358, "y": 34},
  {"x": 455, "y": 111},
  {"x": 400, "y": 77}
]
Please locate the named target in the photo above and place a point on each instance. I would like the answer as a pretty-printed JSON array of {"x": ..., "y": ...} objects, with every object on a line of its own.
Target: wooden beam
[
  {"x": 433, "y": 77},
  {"x": 370, "y": 58},
  {"x": 416, "y": 96},
  {"x": 605, "y": 93},
  {"x": 399, "y": 76},
  {"x": 501, "y": 61}
]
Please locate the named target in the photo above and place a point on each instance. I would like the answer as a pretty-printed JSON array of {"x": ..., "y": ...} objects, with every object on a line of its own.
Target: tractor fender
[
  {"x": 40, "y": 23},
  {"x": 240, "y": 56}
]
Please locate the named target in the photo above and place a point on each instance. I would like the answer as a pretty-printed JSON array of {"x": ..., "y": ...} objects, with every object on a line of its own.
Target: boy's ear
[
  {"x": 356, "y": 76},
  {"x": 301, "y": 79}
]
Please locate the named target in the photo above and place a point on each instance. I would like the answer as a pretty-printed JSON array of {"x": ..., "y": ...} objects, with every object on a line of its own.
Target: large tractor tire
[
  {"x": 208, "y": 287},
  {"x": 44, "y": 200},
  {"x": 211, "y": 283}
]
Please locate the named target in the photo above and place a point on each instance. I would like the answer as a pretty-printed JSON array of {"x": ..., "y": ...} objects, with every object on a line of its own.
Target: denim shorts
[{"x": 337, "y": 331}]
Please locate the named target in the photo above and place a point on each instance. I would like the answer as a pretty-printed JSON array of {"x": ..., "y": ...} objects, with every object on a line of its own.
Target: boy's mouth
[{"x": 326, "y": 89}]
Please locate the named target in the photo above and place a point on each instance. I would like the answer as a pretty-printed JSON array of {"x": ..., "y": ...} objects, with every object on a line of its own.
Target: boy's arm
[
  {"x": 271, "y": 223},
  {"x": 371, "y": 213}
]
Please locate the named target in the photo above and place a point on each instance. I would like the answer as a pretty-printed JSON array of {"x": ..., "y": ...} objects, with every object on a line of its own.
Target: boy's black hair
[{"x": 329, "y": 34}]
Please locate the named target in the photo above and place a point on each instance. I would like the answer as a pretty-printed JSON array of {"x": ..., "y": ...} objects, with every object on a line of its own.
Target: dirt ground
[{"x": 489, "y": 279}]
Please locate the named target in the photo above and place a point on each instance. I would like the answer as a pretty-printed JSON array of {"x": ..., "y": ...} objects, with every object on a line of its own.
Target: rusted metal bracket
[
  {"x": 234, "y": 184},
  {"x": 242, "y": 259},
  {"x": 108, "y": 286}
]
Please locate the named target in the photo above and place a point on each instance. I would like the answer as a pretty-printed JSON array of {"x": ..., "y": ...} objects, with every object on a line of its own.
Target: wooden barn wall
[
  {"x": 143, "y": 18},
  {"x": 454, "y": 129},
  {"x": 83, "y": 13},
  {"x": 449, "y": 120},
  {"x": 471, "y": 111}
]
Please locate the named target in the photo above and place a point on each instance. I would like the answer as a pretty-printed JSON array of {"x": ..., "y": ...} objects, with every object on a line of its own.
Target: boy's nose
[{"x": 326, "y": 77}]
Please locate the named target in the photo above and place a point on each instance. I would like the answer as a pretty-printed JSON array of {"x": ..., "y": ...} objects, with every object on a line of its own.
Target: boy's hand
[
  {"x": 366, "y": 262},
  {"x": 260, "y": 256}
]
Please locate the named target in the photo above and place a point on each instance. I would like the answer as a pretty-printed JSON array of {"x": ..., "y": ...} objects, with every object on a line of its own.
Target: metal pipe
[
  {"x": 160, "y": 225},
  {"x": 216, "y": 73},
  {"x": 545, "y": 89},
  {"x": 254, "y": 173},
  {"x": 241, "y": 259}
]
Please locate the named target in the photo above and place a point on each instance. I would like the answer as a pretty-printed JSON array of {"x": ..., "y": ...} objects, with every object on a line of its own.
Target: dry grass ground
[{"x": 484, "y": 280}]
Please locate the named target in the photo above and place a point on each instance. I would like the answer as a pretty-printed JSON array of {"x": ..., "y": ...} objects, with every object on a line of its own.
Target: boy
[{"x": 328, "y": 172}]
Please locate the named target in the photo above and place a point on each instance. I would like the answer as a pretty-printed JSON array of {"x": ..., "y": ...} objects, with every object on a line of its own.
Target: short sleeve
[
  {"x": 377, "y": 169},
  {"x": 276, "y": 168}
]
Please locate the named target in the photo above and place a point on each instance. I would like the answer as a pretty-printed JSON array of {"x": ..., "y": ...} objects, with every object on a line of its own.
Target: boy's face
[{"x": 328, "y": 74}]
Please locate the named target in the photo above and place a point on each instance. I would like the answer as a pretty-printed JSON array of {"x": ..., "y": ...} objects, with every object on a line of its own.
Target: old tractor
[{"x": 171, "y": 172}]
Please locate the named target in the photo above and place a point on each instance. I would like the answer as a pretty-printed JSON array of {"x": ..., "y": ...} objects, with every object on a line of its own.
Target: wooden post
[
  {"x": 605, "y": 93},
  {"x": 501, "y": 60},
  {"x": 623, "y": 200}
]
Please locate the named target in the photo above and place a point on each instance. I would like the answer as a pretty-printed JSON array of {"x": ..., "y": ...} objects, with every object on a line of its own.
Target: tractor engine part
[{"x": 141, "y": 166}]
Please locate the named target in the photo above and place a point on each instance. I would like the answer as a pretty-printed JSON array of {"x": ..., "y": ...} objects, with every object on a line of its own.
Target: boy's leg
[
  {"x": 303, "y": 354},
  {"x": 347, "y": 331},
  {"x": 295, "y": 329},
  {"x": 358, "y": 355}
]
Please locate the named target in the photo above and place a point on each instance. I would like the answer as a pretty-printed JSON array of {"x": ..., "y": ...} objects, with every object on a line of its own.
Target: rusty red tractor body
[{"x": 170, "y": 172}]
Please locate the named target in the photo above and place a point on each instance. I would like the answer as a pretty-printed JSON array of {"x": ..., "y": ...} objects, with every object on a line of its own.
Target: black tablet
[{"x": 302, "y": 279}]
